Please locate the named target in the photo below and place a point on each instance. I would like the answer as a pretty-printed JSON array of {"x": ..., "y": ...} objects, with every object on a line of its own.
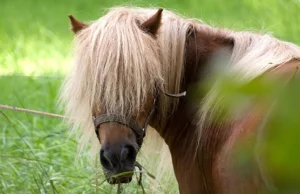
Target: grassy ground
[{"x": 37, "y": 156}]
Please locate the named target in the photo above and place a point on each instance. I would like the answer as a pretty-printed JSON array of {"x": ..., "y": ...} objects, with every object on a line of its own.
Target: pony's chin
[{"x": 117, "y": 180}]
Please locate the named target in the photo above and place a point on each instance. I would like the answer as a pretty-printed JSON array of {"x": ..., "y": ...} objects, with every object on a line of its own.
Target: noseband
[{"x": 139, "y": 132}]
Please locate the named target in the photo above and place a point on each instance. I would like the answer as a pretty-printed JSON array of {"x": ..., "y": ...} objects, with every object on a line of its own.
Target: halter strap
[
  {"x": 139, "y": 132},
  {"x": 112, "y": 118}
]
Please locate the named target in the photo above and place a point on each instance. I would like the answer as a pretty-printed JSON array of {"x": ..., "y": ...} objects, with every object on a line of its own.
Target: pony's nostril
[
  {"x": 124, "y": 152},
  {"x": 128, "y": 153},
  {"x": 104, "y": 160}
]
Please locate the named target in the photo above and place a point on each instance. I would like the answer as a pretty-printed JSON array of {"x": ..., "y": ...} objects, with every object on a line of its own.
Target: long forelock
[
  {"x": 125, "y": 62},
  {"x": 118, "y": 65}
]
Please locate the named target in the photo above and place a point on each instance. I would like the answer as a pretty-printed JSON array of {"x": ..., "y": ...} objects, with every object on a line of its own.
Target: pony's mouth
[
  {"x": 124, "y": 177},
  {"x": 117, "y": 180}
]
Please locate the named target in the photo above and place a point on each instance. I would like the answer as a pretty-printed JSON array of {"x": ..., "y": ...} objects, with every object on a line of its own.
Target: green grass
[
  {"x": 35, "y": 36},
  {"x": 37, "y": 155}
]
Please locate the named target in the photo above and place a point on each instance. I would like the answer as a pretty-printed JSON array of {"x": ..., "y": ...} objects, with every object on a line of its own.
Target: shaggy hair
[{"x": 118, "y": 65}]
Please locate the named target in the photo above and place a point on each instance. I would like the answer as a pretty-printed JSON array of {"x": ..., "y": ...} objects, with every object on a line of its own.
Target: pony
[{"x": 130, "y": 69}]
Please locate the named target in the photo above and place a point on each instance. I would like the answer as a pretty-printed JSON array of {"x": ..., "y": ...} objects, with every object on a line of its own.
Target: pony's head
[{"x": 115, "y": 88}]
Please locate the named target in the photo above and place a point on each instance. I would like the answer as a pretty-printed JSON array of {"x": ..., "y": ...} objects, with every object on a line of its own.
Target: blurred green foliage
[
  {"x": 37, "y": 155},
  {"x": 274, "y": 144}
]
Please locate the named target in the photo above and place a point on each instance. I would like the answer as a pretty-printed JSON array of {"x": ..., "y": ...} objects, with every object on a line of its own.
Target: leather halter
[{"x": 139, "y": 132}]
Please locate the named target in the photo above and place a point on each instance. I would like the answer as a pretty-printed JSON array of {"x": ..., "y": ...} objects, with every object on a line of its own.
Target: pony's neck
[{"x": 180, "y": 132}]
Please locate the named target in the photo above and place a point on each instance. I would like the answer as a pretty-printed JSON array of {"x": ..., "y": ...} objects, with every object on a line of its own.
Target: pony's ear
[
  {"x": 152, "y": 24},
  {"x": 76, "y": 24}
]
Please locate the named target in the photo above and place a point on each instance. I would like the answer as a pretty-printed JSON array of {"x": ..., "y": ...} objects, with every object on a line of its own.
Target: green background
[{"x": 37, "y": 155}]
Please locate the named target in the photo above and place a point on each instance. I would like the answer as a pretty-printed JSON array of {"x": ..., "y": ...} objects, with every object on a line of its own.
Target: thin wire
[{"x": 17, "y": 109}]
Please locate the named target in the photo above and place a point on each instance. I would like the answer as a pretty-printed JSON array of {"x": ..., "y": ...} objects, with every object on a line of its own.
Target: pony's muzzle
[{"x": 118, "y": 162}]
